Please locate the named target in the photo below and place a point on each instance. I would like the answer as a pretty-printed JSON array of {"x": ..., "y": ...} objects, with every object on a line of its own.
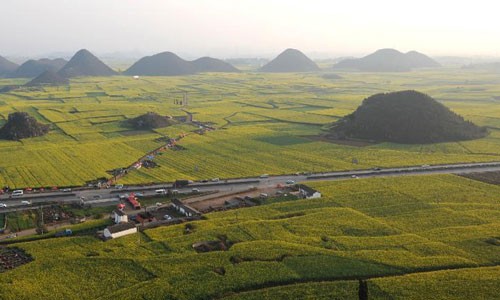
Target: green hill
[
  {"x": 407, "y": 117},
  {"x": 161, "y": 64},
  {"x": 209, "y": 64},
  {"x": 84, "y": 63},
  {"x": 169, "y": 64},
  {"x": 21, "y": 125},
  {"x": 388, "y": 60},
  {"x": 290, "y": 60},
  {"x": 48, "y": 78},
  {"x": 6, "y": 67},
  {"x": 150, "y": 120},
  {"x": 32, "y": 68}
]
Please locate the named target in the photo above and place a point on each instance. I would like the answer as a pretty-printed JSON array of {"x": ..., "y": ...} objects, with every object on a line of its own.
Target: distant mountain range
[
  {"x": 388, "y": 60},
  {"x": 84, "y": 63},
  {"x": 290, "y": 60}
]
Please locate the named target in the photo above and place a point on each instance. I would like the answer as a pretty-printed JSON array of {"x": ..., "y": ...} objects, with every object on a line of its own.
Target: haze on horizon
[{"x": 244, "y": 28}]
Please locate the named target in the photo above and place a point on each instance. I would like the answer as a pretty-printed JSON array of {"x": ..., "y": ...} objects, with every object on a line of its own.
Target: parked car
[
  {"x": 215, "y": 179},
  {"x": 355, "y": 176},
  {"x": 118, "y": 186},
  {"x": 264, "y": 176},
  {"x": 3, "y": 205},
  {"x": 167, "y": 217},
  {"x": 67, "y": 190},
  {"x": 65, "y": 232}
]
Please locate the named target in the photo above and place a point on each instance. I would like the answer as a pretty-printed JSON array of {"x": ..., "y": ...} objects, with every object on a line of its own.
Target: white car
[
  {"x": 161, "y": 192},
  {"x": 25, "y": 202},
  {"x": 17, "y": 193},
  {"x": 3, "y": 205}
]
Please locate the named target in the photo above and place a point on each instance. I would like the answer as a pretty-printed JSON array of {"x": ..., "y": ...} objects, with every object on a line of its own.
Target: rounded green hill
[{"x": 407, "y": 117}]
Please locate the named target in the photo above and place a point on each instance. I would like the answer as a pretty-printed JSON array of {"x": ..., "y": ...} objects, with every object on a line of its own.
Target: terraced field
[
  {"x": 264, "y": 125},
  {"x": 406, "y": 241}
]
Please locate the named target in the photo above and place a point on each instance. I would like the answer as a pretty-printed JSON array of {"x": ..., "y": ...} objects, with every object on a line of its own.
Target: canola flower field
[
  {"x": 265, "y": 123},
  {"x": 406, "y": 241}
]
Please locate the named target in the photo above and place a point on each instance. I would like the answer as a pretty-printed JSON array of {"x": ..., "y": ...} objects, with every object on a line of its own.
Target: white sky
[{"x": 235, "y": 28}]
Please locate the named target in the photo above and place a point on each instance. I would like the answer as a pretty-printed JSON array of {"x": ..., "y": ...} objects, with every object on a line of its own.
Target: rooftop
[
  {"x": 307, "y": 189},
  {"x": 120, "y": 227}
]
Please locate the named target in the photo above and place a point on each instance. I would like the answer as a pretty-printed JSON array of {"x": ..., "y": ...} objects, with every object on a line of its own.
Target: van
[
  {"x": 17, "y": 193},
  {"x": 161, "y": 192}
]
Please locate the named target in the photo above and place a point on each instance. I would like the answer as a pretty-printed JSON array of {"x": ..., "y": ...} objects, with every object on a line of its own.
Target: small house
[
  {"x": 118, "y": 230},
  {"x": 308, "y": 192},
  {"x": 119, "y": 216}
]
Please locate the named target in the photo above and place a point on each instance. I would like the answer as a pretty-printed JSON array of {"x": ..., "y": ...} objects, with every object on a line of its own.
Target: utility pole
[
  {"x": 41, "y": 217},
  {"x": 185, "y": 99}
]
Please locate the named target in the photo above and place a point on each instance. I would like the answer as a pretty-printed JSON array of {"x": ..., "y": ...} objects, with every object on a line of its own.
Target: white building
[
  {"x": 118, "y": 230},
  {"x": 119, "y": 216},
  {"x": 184, "y": 209}
]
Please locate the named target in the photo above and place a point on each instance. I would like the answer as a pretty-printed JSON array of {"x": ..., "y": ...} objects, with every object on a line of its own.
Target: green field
[
  {"x": 390, "y": 231},
  {"x": 264, "y": 125}
]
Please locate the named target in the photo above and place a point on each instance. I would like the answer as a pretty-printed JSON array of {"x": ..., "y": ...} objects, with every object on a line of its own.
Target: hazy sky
[{"x": 234, "y": 28}]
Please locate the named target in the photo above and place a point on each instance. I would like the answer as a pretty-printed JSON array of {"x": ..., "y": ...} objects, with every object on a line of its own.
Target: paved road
[{"x": 111, "y": 196}]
